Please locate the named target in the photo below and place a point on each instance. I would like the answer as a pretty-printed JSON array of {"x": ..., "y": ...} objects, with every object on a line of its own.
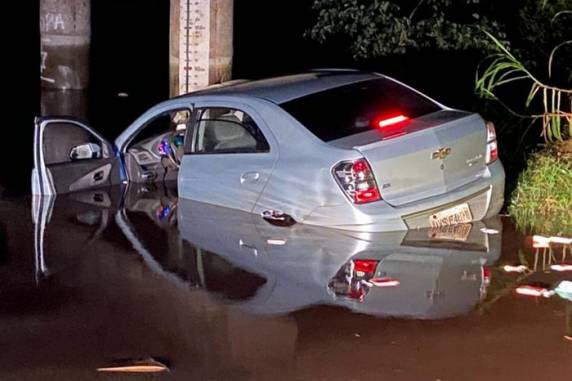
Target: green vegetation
[
  {"x": 380, "y": 28},
  {"x": 555, "y": 103},
  {"x": 542, "y": 201}
]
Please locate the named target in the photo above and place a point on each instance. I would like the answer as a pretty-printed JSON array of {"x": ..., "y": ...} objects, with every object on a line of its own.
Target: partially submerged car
[{"x": 337, "y": 148}]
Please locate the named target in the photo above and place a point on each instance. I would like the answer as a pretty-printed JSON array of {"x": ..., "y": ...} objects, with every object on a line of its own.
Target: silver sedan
[{"x": 338, "y": 148}]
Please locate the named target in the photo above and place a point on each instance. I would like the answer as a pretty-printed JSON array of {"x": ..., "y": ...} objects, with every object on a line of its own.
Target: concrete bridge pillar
[
  {"x": 200, "y": 44},
  {"x": 65, "y": 29}
]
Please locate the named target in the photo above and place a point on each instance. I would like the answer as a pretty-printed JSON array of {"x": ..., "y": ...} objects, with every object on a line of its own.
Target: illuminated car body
[{"x": 343, "y": 149}]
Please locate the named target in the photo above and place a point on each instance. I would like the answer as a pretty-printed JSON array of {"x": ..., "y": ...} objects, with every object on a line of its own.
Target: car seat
[{"x": 230, "y": 134}]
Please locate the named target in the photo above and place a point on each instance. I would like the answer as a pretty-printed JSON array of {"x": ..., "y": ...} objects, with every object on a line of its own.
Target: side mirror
[{"x": 86, "y": 151}]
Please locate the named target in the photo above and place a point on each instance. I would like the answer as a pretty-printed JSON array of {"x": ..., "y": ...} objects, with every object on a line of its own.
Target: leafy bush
[
  {"x": 379, "y": 28},
  {"x": 542, "y": 201}
]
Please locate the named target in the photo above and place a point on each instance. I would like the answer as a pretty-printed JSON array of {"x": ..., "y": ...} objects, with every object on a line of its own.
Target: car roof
[{"x": 285, "y": 88}]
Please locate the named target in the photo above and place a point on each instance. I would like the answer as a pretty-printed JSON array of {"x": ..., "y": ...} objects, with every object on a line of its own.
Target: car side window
[
  {"x": 224, "y": 130},
  {"x": 174, "y": 121},
  {"x": 66, "y": 142}
]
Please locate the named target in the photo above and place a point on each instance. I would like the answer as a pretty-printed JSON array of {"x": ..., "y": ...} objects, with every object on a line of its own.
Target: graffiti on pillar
[
  {"x": 194, "y": 41},
  {"x": 49, "y": 23},
  {"x": 44, "y": 59},
  {"x": 52, "y": 22}
]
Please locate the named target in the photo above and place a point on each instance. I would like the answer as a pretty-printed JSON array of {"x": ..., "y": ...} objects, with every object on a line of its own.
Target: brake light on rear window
[
  {"x": 357, "y": 181},
  {"x": 392, "y": 120},
  {"x": 492, "y": 146}
]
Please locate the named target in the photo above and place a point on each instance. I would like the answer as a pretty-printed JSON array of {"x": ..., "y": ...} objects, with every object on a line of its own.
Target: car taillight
[
  {"x": 492, "y": 146},
  {"x": 357, "y": 181}
]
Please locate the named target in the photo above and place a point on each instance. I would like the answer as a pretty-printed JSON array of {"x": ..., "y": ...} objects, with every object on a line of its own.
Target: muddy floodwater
[{"x": 90, "y": 279}]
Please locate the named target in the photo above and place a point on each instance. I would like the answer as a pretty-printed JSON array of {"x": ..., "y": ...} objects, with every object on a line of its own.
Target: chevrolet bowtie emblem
[{"x": 441, "y": 153}]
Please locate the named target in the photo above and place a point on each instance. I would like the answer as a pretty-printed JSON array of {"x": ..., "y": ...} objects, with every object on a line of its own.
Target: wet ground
[{"x": 94, "y": 277}]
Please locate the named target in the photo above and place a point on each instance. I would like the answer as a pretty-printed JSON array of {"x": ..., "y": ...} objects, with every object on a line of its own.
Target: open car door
[{"x": 69, "y": 156}]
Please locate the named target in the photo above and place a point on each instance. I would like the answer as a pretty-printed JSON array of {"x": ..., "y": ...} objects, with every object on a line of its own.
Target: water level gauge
[{"x": 194, "y": 45}]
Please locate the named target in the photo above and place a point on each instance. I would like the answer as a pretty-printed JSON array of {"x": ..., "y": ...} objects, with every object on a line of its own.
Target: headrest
[{"x": 228, "y": 131}]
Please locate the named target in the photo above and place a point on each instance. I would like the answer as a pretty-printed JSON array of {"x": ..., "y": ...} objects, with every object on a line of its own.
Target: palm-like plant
[{"x": 505, "y": 68}]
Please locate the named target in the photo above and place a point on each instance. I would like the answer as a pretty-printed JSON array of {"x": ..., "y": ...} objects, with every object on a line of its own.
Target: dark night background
[{"x": 129, "y": 53}]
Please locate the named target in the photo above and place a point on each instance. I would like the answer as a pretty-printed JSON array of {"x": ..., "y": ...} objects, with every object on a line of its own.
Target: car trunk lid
[{"x": 423, "y": 157}]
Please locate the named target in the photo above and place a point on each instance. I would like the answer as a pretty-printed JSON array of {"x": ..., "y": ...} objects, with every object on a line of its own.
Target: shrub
[{"x": 542, "y": 201}]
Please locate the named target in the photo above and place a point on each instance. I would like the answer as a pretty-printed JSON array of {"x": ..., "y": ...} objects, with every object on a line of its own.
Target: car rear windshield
[{"x": 358, "y": 107}]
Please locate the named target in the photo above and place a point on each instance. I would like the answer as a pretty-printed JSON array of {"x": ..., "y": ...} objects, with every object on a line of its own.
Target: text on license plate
[
  {"x": 458, "y": 214},
  {"x": 457, "y": 232}
]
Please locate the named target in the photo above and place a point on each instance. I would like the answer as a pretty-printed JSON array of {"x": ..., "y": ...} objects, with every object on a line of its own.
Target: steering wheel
[{"x": 168, "y": 148}]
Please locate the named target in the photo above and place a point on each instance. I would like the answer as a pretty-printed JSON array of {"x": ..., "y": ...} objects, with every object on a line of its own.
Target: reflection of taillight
[
  {"x": 356, "y": 277},
  {"x": 357, "y": 293},
  {"x": 487, "y": 275},
  {"x": 365, "y": 267},
  {"x": 492, "y": 152},
  {"x": 357, "y": 181},
  {"x": 384, "y": 282}
]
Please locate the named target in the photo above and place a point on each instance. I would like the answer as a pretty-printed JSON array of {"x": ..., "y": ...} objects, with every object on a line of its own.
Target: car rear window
[{"x": 351, "y": 109}]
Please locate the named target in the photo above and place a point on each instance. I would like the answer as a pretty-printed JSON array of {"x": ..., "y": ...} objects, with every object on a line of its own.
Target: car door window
[
  {"x": 224, "y": 130},
  {"x": 174, "y": 122},
  {"x": 65, "y": 142}
]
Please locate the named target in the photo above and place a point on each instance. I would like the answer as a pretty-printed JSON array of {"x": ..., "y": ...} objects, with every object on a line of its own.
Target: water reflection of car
[
  {"x": 339, "y": 148},
  {"x": 264, "y": 268}
]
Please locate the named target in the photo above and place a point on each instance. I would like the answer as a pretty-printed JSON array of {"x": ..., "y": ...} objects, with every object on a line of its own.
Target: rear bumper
[{"x": 485, "y": 197}]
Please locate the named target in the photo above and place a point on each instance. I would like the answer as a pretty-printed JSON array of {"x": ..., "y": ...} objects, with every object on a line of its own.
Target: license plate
[
  {"x": 457, "y": 232},
  {"x": 458, "y": 214}
]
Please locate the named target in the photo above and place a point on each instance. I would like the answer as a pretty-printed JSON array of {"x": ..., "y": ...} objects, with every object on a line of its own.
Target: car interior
[{"x": 155, "y": 153}]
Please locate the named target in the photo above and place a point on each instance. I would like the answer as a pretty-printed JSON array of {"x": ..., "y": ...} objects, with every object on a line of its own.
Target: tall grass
[{"x": 542, "y": 201}]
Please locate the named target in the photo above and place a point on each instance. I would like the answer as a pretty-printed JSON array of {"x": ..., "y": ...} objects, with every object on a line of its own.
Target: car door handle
[
  {"x": 244, "y": 245},
  {"x": 249, "y": 177}
]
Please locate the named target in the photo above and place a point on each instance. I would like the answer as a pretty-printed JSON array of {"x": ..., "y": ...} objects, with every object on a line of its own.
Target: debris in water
[
  {"x": 541, "y": 240},
  {"x": 534, "y": 291},
  {"x": 514, "y": 269},
  {"x": 561, "y": 240},
  {"x": 564, "y": 290},
  {"x": 561, "y": 267},
  {"x": 135, "y": 366}
]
